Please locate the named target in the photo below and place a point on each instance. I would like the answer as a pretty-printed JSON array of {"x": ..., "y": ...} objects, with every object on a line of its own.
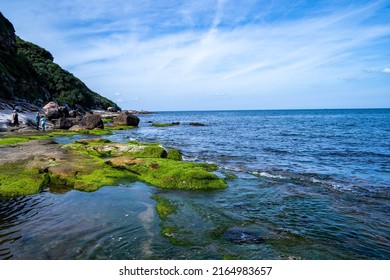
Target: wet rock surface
[{"x": 243, "y": 236}]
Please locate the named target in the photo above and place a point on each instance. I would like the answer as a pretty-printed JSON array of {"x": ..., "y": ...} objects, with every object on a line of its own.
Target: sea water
[{"x": 303, "y": 184}]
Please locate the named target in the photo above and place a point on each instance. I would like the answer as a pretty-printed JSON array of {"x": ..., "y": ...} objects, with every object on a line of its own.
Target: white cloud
[
  {"x": 114, "y": 49},
  {"x": 386, "y": 70}
]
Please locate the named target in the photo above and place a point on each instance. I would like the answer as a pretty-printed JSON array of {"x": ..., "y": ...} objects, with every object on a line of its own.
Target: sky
[{"x": 175, "y": 55}]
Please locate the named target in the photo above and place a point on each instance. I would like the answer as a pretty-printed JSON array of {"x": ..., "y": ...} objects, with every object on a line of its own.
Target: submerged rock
[
  {"x": 243, "y": 236},
  {"x": 196, "y": 124}
]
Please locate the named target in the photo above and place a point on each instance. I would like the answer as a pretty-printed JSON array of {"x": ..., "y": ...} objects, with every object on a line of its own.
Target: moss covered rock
[
  {"x": 174, "y": 155},
  {"x": 82, "y": 165}
]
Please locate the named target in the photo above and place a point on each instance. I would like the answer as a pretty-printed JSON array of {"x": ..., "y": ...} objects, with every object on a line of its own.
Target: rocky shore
[
  {"x": 60, "y": 117},
  {"x": 31, "y": 161}
]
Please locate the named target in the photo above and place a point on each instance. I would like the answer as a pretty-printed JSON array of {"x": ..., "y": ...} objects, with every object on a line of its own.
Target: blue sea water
[{"x": 303, "y": 184}]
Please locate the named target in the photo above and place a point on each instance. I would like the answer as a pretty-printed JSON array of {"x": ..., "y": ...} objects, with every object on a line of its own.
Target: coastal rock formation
[
  {"x": 28, "y": 73},
  {"x": 27, "y": 167},
  {"x": 63, "y": 123},
  {"x": 53, "y": 111},
  {"x": 91, "y": 121},
  {"x": 7, "y": 36},
  {"x": 126, "y": 119},
  {"x": 196, "y": 124}
]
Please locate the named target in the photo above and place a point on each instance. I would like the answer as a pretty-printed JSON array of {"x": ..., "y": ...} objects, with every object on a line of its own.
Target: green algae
[
  {"x": 170, "y": 174},
  {"x": 163, "y": 124},
  {"x": 171, "y": 232},
  {"x": 104, "y": 148},
  {"x": 119, "y": 127},
  {"x": 174, "y": 154},
  {"x": 86, "y": 168},
  {"x": 154, "y": 168},
  {"x": 15, "y": 139},
  {"x": 17, "y": 180},
  {"x": 107, "y": 119},
  {"x": 164, "y": 207},
  {"x": 12, "y": 140}
]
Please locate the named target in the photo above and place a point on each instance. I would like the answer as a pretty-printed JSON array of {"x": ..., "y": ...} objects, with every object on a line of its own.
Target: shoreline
[{"x": 32, "y": 161}]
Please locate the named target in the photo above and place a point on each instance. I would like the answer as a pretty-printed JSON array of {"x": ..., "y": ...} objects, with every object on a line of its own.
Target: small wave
[{"x": 268, "y": 175}]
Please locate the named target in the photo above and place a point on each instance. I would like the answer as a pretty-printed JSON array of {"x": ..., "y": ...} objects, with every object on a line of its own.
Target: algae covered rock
[
  {"x": 174, "y": 155},
  {"x": 149, "y": 163},
  {"x": 165, "y": 173},
  {"x": 88, "y": 164}
]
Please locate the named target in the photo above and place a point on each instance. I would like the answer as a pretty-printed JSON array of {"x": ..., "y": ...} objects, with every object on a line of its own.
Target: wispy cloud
[
  {"x": 386, "y": 70},
  {"x": 251, "y": 52}
]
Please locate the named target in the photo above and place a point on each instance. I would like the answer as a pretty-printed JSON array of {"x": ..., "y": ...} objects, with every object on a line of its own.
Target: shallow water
[{"x": 310, "y": 184}]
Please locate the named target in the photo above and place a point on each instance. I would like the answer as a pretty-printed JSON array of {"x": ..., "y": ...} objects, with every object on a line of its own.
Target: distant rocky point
[{"x": 29, "y": 75}]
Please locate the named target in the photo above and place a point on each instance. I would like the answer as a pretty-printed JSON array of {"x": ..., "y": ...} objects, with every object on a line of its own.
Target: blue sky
[{"x": 217, "y": 54}]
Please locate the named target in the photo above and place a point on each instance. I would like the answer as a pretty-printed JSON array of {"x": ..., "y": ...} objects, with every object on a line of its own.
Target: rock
[
  {"x": 91, "y": 121},
  {"x": 63, "y": 170},
  {"x": 3, "y": 127},
  {"x": 63, "y": 111},
  {"x": 76, "y": 128},
  {"x": 126, "y": 119},
  {"x": 111, "y": 109},
  {"x": 196, "y": 124},
  {"x": 92, "y": 140},
  {"x": 52, "y": 114},
  {"x": 122, "y": 162},
  {"x": 73, "y": 113},
  {"x": 63, "y": 123},
  {"x": 174, "y": 154},
  {"x": 50, "y": 105},
  {"x": 243, "y": 236},
  {"x": 53, "y": 111}
]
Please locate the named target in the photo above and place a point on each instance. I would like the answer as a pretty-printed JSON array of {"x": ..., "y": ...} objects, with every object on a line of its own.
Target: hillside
[{"x": 28, "y": 72}]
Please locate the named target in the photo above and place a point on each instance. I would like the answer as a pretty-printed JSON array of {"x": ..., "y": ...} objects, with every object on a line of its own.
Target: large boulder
[
  {"x": 127, "y": 119},
  {"x": 63, "y": 123},
  {"x": 91, "y": 121},
  {"x": 53, "y": 111},
  {"x": 64, "y": 111}
]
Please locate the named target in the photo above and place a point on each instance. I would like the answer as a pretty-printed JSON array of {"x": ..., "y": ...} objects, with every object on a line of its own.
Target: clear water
[{"x": 310, "y": 184}]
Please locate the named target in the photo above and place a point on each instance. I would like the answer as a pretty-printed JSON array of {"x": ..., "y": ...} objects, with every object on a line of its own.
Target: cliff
[{"x": 28, "y": 72}]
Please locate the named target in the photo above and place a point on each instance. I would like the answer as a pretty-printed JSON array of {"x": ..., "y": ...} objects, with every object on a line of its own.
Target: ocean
[{"x": 303, "y": 184}]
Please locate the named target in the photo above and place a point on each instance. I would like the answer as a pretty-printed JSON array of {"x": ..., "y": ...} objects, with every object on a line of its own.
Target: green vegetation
[
  {"x": 149, "y": 164},
  {"x": 17, "y": 180},
  {"x": 171, "y": 232},
  {"x": 164, "y": 207},
  {"x": 165, "y": 173},
  {"x": 163, "y": 124},
  {"x": 86, "y": 168},
  {"x": 174, "y": 154}
]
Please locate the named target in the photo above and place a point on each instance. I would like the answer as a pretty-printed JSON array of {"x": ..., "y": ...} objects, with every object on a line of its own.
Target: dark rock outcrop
[
  {"x": 7, "y": 36},
  {"x": 63, "y": 123},
  {"x": 53, "y": 111},
  {"x": 91, "y": 121},
  {"x": 196, "y": 124},
  {"x": 126, "y": 119},
  {"x": 28, "y": 72}
]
